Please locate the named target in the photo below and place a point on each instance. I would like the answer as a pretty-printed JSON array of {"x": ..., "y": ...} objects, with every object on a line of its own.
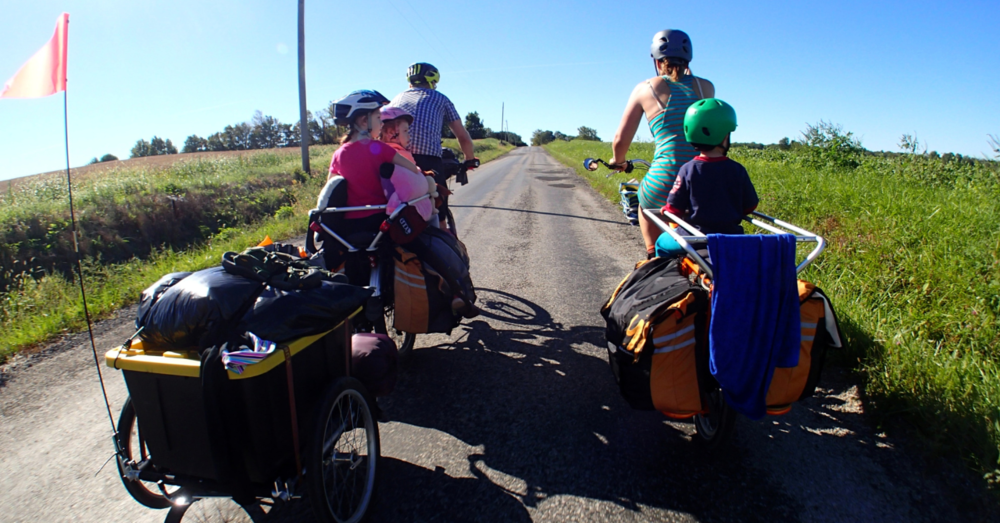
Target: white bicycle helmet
[{"x": 356, "y": 104}]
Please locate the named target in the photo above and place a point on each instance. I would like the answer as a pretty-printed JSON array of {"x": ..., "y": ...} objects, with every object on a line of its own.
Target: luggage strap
[{"x": 291, "y": 407}]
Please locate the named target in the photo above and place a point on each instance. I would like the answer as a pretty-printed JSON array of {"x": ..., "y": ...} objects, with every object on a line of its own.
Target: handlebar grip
[{"x": 473, "y": 163}]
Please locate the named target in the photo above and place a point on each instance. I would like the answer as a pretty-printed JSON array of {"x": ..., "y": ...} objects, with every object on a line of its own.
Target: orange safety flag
[{"x": 45, "y": 73}]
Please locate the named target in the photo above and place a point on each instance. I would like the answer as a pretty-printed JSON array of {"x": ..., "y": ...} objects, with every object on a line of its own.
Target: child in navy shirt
[{"x": 712, "y": 192}]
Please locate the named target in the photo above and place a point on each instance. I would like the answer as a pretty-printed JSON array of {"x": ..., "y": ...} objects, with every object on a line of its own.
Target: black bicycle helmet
[
  {"x": 423, "y": 73},
  {"x": 671, "y": 43},
  {"x": 356, "y": 104}
]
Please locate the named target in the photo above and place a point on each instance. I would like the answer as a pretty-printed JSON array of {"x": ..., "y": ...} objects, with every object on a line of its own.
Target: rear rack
[
  {"x": 693, "y": 236},
  {"x": 374, "y": 244}
]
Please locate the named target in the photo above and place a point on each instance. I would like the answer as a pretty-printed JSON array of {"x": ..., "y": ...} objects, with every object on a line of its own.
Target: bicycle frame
[{"x": 695, "y": 237}]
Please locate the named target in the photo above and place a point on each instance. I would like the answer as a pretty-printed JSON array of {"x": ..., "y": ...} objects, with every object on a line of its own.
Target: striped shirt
[{"x": 430, "y": 110}]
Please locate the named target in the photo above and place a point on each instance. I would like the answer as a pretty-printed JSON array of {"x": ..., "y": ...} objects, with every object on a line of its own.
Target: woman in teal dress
[{"x": 663, "y": 99}]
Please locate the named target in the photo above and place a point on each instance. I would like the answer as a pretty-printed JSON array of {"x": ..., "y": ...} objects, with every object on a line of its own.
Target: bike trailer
[
  {"x": 657, "y": 332},
  {"x": 203, "y": 422}
]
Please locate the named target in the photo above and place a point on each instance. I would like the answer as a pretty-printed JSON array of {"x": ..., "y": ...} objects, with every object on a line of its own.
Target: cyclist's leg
[{"x": 652, "y": 195}]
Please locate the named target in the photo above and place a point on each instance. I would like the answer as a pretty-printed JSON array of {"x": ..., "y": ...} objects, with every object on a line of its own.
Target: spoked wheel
[
  {"x": 716, "y": 427},
  {"x": 135, "y": 449},
  {"x": 404, "y": 340},
  {"x": 343, "y": 455},
  {"x": 216, "y": 510}
]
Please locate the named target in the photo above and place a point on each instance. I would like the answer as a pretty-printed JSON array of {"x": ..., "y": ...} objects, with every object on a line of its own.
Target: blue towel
[{"x": 755, "y": 324}]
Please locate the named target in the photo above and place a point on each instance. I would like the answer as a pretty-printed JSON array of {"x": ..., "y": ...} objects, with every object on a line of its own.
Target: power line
[{"x": 415, "y": 29}]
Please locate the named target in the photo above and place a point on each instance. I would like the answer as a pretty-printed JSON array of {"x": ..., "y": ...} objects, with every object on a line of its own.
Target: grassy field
[
  {"x": 913, "y": 268},
  {"x": 255, "y": 194}
]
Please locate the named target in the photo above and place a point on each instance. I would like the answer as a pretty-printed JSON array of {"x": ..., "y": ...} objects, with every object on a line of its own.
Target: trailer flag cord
[
  {"x": 44, "y": 74},
  {"x": 79, "y": 269}
]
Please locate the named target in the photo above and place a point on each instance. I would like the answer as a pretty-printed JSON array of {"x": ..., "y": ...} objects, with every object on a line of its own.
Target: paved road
[{"x": 515, "y": 416}]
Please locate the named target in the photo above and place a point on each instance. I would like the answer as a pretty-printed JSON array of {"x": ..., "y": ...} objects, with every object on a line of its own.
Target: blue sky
[{"x": 138, "y": 69}]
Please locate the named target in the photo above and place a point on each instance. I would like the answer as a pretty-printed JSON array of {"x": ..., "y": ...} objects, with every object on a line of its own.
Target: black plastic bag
[
  {"x": 200, "y": 310},
  {"x": 153, "y": 293},
  {"x": 282, "y": 316},
  {"x": 448, "y": 257}
]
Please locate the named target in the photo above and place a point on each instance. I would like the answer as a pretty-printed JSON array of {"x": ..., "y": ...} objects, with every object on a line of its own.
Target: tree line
[
  {"x": 478, "y": 130},
  {"x": 267, "y": 132},
  {"x": 540, "y": 137}
]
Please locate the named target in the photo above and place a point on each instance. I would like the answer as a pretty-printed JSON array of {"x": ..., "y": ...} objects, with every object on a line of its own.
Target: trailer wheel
[
  {"x": 343, "y": 455},
  {"x": 135, "y": 449}
]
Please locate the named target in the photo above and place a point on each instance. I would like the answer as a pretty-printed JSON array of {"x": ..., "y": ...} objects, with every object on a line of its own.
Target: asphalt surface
[{"x": 515, "y": 416}]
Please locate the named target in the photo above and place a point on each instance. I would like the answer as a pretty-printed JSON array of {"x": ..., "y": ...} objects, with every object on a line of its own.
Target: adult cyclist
[
  {"x": 430, "y": 110},
  {"x": 663, "y": 99}
]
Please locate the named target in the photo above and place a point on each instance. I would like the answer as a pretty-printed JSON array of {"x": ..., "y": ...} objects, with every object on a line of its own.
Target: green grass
[
  {"x": 38, "y": 307},
  {"x": 912, "y": 267},
  {"x": 486, "y": 150}
]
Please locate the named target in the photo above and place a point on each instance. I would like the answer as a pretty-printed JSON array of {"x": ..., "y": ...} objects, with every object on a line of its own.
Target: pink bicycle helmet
[{"x": 391, "y": 113}]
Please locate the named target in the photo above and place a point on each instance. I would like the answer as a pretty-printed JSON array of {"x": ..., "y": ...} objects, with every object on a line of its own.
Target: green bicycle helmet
[
  {"x": 709, "y": 121},
  {"x": 423, "y": 73}
]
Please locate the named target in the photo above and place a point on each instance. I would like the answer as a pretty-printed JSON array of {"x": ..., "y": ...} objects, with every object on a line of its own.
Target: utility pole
[
  {"x": 502, "y": 104},
  {"x": 303, "y": 121}
]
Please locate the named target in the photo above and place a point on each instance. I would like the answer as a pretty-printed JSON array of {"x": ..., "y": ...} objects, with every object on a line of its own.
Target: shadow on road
[
  {"x": 562, "y": 215},
  {"x": 540, "y": 400}
]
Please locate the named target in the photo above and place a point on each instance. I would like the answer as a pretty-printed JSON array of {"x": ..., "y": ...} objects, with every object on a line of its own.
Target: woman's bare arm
[{"x": 627, "y": 127}]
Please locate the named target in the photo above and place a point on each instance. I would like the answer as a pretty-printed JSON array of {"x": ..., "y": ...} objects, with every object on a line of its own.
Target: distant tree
[
  {"x": 560, "y": 136},
  {"x": 784, "y": 144},
  {"x": 140, "y": 149},
  {"x": 216, "y": 142},
  {"x": 93, "y": 161},
  {"x": 994, "y": 142},
  {"x": 109, "y": 158},
  {"x": 195, "y": 144},
  {"x": 586, "y": 133},
  {"x": 158, "y": 146},
  {"x": 828, "y": 135},
  {"x": 289, "y": 135},
  {"x": 540, "y": 137},
  {"x": 266, "y": 132},
  {"x": 908, "y": 143},
  {"x": 237, "y": 137},
  {"x": 475, "y": 126}
]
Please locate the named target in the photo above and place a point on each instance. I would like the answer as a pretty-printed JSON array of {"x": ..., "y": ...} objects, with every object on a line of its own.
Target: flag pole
[{"x": 79, "y": 269}]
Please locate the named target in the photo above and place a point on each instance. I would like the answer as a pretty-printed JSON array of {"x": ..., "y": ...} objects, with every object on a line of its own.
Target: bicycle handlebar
[{"x": 590, "y": 164}]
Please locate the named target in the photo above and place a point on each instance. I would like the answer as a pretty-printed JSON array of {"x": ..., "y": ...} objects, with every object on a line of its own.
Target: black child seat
[{"x": 358, "y": 232}]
